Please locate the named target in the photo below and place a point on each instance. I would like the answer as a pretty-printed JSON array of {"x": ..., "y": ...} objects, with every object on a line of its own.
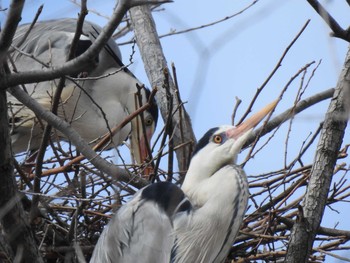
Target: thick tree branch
[
  {"x": 310, "y": 215},
  {"x": 155, "y": 63},
  {"x": 9, "y": 30}
]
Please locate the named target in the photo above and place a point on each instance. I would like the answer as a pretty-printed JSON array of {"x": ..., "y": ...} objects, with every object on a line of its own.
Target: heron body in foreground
[
  {"x": 197, "y": 223},
  {"x": 95, "y": 101}
]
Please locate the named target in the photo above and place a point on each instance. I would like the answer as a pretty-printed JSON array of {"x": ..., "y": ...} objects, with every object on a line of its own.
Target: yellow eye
[
  {"x": 148, "y": 121},
  {"x": 217, "y": 139}
]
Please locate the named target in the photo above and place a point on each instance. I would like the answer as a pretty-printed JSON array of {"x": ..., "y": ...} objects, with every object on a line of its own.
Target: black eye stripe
[{"x": 211, "y": 136}]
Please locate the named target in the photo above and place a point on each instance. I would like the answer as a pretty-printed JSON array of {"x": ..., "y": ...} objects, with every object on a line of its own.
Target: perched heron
[
  {"x": 197, "y": 223},
  {"x": 93, "y": 105}
]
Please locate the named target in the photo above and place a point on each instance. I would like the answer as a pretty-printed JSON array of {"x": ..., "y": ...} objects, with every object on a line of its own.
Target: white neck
[{"x": 218, "y": 200}]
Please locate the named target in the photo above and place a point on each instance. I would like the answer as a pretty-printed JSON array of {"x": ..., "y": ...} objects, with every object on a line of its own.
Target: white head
[{"x": 219, "y": 147}]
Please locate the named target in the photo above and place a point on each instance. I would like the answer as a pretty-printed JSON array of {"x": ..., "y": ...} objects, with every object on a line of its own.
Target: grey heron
[
  {"x": 101, "y": 98},
  {"x": 197, "y": 223}
]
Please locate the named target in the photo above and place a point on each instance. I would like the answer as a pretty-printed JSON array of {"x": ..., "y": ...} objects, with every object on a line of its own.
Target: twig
[
  {"x": 234, "y": 112},
  {"x": 21, "y": 41},
  {"x": 279, "y": 64},
  {"x": 173, "y": 32}
]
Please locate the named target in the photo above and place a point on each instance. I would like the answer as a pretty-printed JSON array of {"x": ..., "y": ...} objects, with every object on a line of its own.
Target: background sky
[{"x": 233, "y": 58}]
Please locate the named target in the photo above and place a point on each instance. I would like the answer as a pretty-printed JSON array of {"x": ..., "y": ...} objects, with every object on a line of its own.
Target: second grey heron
[
  {"x": 102, "y": 97},
  {"x": 197, "y": 223}
]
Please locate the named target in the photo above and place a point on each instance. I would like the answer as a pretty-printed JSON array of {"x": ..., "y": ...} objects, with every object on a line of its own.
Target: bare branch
[
  {"x": 40, "y": 9},
  {"x": 331, "y": 22},
  {"x": 9, "y": 30},
  {"x": 172, "y": 33}
]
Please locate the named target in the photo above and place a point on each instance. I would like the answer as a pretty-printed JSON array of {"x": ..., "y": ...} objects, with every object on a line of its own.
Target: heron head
[
  {"x": 220, "y": 147},
  {"x": 140, "y": 138}
]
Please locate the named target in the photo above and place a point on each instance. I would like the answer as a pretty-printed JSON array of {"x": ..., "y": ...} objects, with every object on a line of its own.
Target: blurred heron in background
[{"x": 92, "y": 102}]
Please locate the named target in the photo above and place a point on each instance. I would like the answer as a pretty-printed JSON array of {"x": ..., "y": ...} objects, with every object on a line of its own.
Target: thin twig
[{"x": 278, "y": 65}]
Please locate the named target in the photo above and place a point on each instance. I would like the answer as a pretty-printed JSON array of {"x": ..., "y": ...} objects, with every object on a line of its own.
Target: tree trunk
[{"x": 310, "y": 216}]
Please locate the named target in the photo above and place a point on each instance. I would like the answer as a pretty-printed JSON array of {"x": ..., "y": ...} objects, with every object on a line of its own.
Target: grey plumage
[
  {"x": 92, "y": 106},
  {"x": 197, "y": 223},
  {"x": 130, "y": 237}
]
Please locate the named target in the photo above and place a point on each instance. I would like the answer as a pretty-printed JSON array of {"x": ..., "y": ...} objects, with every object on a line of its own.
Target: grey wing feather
[
  {"x": 139, "y": 232},
  {"x": 142, "y": 230}
]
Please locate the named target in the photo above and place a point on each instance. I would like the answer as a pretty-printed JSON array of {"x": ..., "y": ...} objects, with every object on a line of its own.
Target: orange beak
[
  {"x": 252, "y": 121},
  {"x": 139, "y": 143}
]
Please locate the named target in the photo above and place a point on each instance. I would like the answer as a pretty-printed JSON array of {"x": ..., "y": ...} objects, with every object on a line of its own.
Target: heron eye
[
  {"x": 217, "y": 139},
  {"x": 148, "y": 121}
]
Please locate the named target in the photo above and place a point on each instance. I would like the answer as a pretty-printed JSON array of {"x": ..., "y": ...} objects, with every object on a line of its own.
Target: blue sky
[{"x": 233, "y": 58}]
